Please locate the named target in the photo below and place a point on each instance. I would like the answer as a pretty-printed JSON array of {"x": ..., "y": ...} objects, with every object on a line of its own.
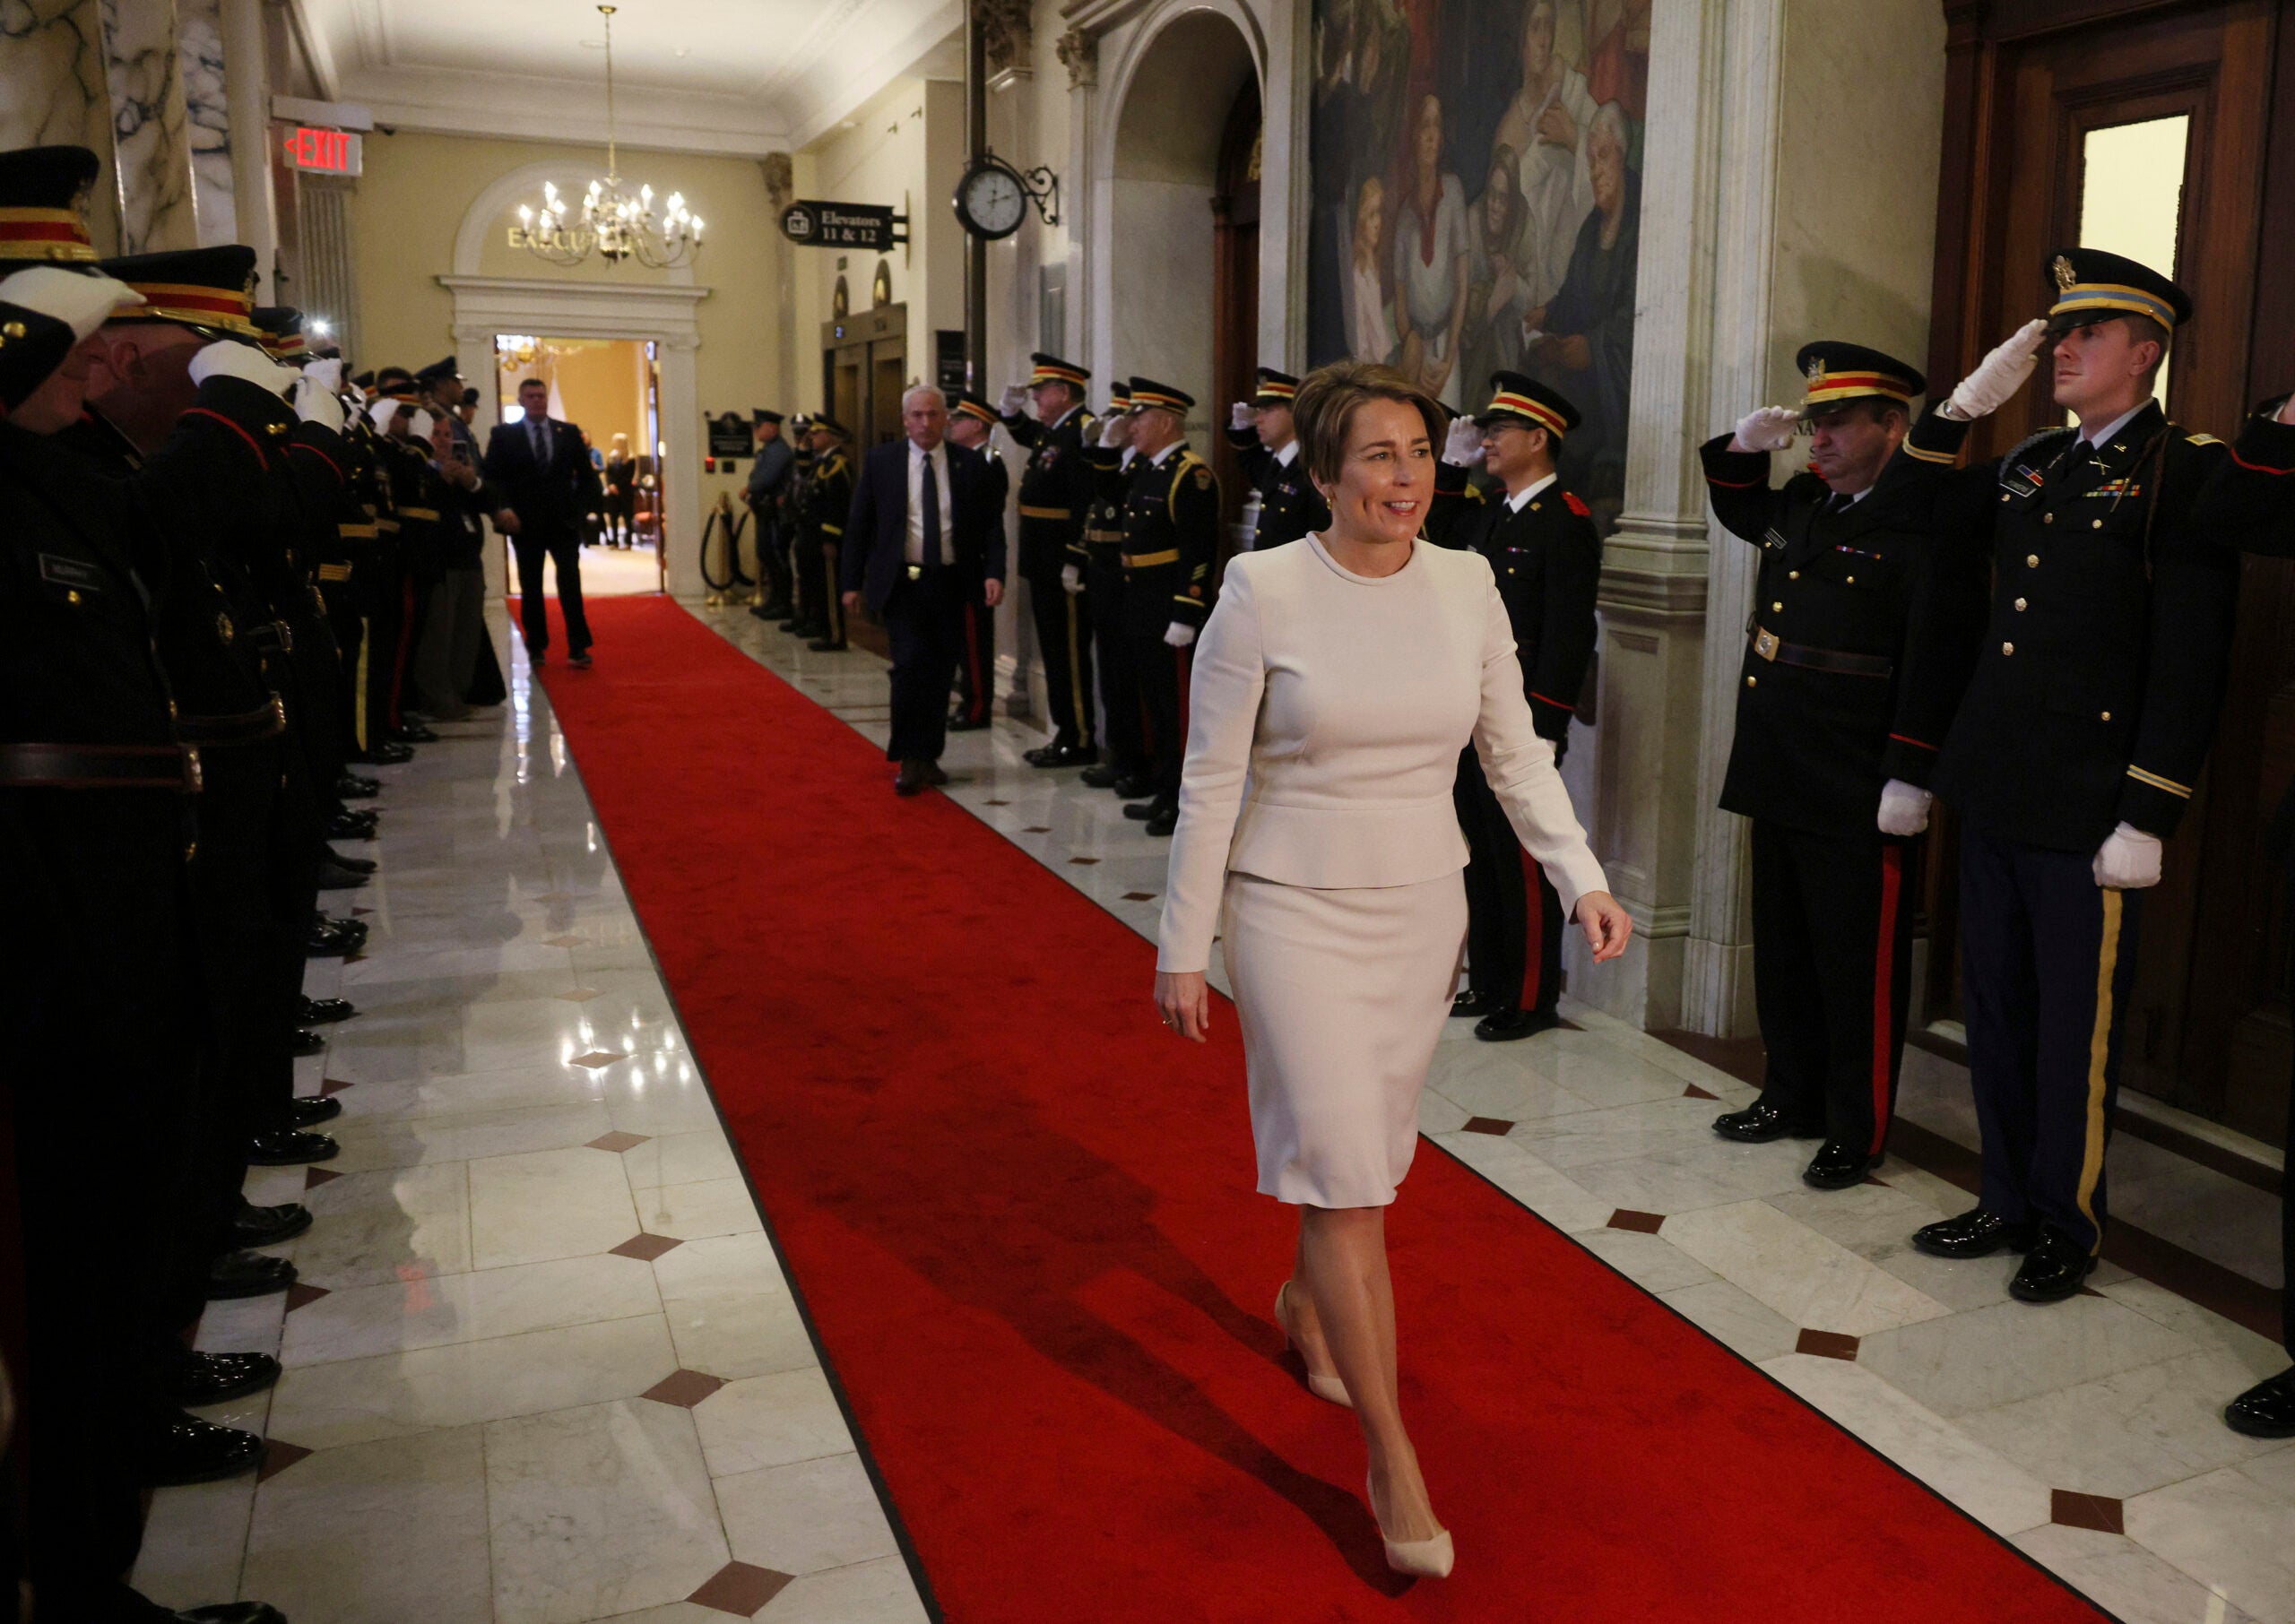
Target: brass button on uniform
[
  {"x": 2095, "y": 524},
  {"x": 1776, "y": 608},
  {"x": 71, "y": 595},
  {"x": 2019, "y": 606},
  {"x": 2031, "y": 561},
  {"x": 1852, "y": 581},
  {"x": 1792, "y": 575},
  {"x": 2007, "y": 648},
  {"x": 2108, "y": 715},
  {"x": 14, "y": 329},
  {"x": 1752, "y": 682},
  {"x": 2048, "y": 518}
]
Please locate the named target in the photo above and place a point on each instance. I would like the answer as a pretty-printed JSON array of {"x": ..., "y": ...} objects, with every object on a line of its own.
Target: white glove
[
  {"x": 381, "y": 410},
  {"x": 1179, "y": 637},
  {"x": 1462, "y": 446},
  {"x": 2127, "y": 860},
  {"x": 1240, "y": 415},
  {"x": 1014, "y": 397},
  {"x": 314, "y": 402},
  {"x": 1071, "y": 579},
  {"x": 1765, "y": 428},
  {"x": 228, "y": 357},
  {"x": 1904, "y": 808},
  {"x": 328, "y": 371},
  {"x": 81, "y": 301},
  {"x": 1999, "y": 375},
  {"x": 419, "y": 427},
  {"x": 1115, "y": 431}
]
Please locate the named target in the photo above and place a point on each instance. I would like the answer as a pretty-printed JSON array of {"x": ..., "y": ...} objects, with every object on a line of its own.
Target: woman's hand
[
  {"x": 1604, "y": 920},
  {"x": 1184, "y": 1001}
]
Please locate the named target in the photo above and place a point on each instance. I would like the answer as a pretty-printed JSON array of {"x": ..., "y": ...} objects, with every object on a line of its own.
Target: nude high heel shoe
[
  {"x": 1323, "y": 1384},
  {"x": 1420, "y": 1558}
]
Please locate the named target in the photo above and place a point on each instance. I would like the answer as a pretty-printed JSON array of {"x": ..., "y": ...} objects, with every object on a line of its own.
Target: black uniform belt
[
  {"x": 272, "y": 637},
  {"x": 249, "y": 727},
  {"x": 62, "y": 766},
  {"x": 1769, "y": 645}
]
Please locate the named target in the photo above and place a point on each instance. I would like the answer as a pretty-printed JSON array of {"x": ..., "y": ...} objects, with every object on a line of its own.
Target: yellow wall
[
  {"x": 600, "y": 382},
  {"x": 410, "y": 204}
]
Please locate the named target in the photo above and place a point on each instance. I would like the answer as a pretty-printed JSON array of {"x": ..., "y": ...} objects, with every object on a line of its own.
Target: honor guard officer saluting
[
  {"x": 829, "y": 502},
  {"x": 1859, "y": 648},
  {"x": 2074, "y": 755},
  {"x": 1095, "y": 567},
  {"x": 1055, "y": 492},
  {"x": 1266, "y": 449},
  {"x": 1171, "y": 540},
  {"x": 972, "y": 423},
  {"x": 1546, "y": 556}
]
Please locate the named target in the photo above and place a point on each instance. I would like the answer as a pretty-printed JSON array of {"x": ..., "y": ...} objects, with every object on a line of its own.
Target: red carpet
[{"x": 1022, "y": 1220}]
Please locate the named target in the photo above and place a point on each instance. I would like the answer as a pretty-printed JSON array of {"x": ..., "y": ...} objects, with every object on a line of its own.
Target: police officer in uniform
[
  {"x": 829, "y": 498},
  {"x": 804, "y": 582},
  {"x": 1864, "y": 630},
  {"x": 1266, "y": 450},
  {"x": 1055, "y": 494},
  {"x": 1096, "y": 563},
  {"x": 2077, "y": 747},
  {"x": 1546, "y": 556},
  {"x": 768, "y": 483},
  {"x": 972, "y": 424},
  {"x": 1170, "y": 542}
]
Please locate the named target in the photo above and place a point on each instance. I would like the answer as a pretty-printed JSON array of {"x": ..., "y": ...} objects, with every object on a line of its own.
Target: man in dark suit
[
  {"x": 544, "y": 470},
  {"x": 926, "y": 537}
]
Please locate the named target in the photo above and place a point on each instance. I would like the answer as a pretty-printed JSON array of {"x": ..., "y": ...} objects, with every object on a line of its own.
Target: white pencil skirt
[{"x": 1341, "y": 996}]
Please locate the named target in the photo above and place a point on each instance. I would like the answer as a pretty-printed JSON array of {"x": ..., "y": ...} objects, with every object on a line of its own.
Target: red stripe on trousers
[
  {"x": 1534, "y": 939},
  {"x": 1883, "y": 976}
]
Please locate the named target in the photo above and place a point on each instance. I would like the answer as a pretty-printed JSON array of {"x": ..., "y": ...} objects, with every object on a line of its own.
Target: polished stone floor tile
[
  {"x": 866, "y": 1592},
  {"x": 2117, "y": 1573},
  {"x": 770, "y": 1421},
  {"x": 373, "y": 1227},
  {"x": 548, "y": 1204},
  {"x": 432, "y": 1312},
  {"x": 1731, "y": 1318},
  {"x": 804, "y": 1517},
  {"x": 597, "y": 1511},
  {"x": 1815, "y": 1282},
  {"x": 698, "y": 1211},
  {"x": 2229, "y": 1531},
  {"x": 730, "y": 1310},
  {"x": 2013, "y": 1350}
]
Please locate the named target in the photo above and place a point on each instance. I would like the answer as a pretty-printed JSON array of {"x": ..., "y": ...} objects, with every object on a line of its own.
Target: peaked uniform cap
[
  {"x": 760, "y": 417},
  {"x": 967, "y": 404},
  {"x": 1147, "y": 393},
  {"x": 281, "y": 327},
  {"x": 1052, "y": 369},
  {"x": 1275, "y": 388},
  {"x": 2091, "y": 285},
  {"x": 821, "y": 420},
  {"x": 43, "y": 193},
  {"x": 439, "y": 371},
  {"x": 1839, "y": 372},
  {"x": 210, "y": 291},
  {"x": 1522, "y": 397}
]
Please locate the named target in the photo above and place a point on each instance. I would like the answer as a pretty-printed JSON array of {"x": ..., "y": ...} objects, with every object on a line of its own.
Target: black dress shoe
[
  {"x": 1141, "y": 812},
  {"x": 581, "y": 661},
  {"x": 1503, "y": 1025},
  {"x": 1763, "y": 1121},
  {"x": 2267, "y": 1410},
  {"x": 355, "y": 930},
  {"x": 248, "y": 1274},
  {"x": 269, "y": 1226},
  {"x": 301, "y": 1044},
  {"x": 308, "y": 1111},
  {"x": 1133, "y": 787},
  {"x": 935, "y": 774},
  {"x": 412, "y": 733},
  {"x": 383, "y": 752},
  {"x": 770, "y": 612},
  {"x": 1836, "y": 1166},
  {"x": 349, "y": 787},
  {"x": 216, "y": 1378},
  {"x": 1164, "y": 819},
  {"x": 185, "y": 1449},
  {"x": 357, "y": 865},
  {"x": 1056, "y": 754},
  {"x": 1101, "y": 776},
  {"x": 324, "y": 942},
  {"x": 334, "y": 877},
  {"x": 289, "y": 1147},
  {"x": 2054, "y": 1269},
  {"x": 910, "y": 780},
  {"x": 351, "y": 825},
  {"x": 325, "y": 1012},
  {"x": 796, "y": 627},
  {"x": 1975, "y": 1234},
  {"x": 1472, "y": 1003},
  {"x": 964, "y": 724},
  {"x": 232, "y": 1612}
]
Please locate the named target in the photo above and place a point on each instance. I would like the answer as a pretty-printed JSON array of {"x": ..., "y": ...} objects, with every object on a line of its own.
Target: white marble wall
[
  {"x": 207, "y": 118},
  {"x": 149, "y": 131},
  {"x": 52, "y": 88}
]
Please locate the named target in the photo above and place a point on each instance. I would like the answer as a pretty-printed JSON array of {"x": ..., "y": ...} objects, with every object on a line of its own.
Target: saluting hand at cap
[
  {"x": 1015, "y": 396},
  {"x": 1765, "y": 428},
  {"x": 1462, "y": 443},
  {"x": 1999, "y": 375},
  {"x": 1240, "y": 415}
]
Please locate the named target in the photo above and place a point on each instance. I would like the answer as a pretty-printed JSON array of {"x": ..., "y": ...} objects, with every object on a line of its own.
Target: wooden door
[
  {"x": 1235, "y": 289},
  {"x": 887, "y": 377},
  {"x": 2046, "y": 99}
]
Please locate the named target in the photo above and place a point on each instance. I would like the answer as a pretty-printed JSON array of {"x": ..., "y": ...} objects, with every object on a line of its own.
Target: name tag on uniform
[
  {"x": 71, "y": 572},
  {"x": 2021, "y": 481}
]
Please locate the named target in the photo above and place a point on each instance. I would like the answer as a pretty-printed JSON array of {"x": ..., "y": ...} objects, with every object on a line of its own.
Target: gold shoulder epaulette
[{"x": 2201, "y": 439}]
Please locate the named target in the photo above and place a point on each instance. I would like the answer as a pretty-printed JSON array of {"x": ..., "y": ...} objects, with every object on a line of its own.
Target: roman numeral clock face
[{"x": 990, "y": 200}]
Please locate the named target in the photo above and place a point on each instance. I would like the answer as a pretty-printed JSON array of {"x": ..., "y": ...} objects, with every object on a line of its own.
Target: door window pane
[{"x": 2132, "y": 192}]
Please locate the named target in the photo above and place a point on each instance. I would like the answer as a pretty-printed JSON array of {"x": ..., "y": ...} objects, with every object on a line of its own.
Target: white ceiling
[{"x": 741, "y": 76}]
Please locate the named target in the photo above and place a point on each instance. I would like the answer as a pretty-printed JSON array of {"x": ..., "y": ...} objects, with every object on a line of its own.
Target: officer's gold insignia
[
  {"x": 1816, "y": 373},
  {"x": 223, "y": 627},
  {"x": 2064, "y": 274}
]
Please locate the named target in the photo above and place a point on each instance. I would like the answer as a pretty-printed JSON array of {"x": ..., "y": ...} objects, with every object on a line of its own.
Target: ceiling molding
[
  {"x": 537, "y": 109},
  {"x": 814, "y": 116}
]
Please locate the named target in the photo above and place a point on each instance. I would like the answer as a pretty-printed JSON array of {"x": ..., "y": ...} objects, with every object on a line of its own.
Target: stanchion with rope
[{"x": 722, "y": 522}]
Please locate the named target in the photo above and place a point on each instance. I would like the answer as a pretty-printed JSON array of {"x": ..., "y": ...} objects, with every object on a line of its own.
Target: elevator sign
[{"x": 323, "y": 151}]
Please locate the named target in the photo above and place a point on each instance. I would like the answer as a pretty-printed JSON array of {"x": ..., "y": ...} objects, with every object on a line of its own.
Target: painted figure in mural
[
  {"x": 1370, "y": 325},
  {"x": 1498, "y": 290},
  {"x": 1362, "y": 59},
  {"x": 1583, "y": 341},
  {"x": 1546, "y": 125},
  {"x": 1430, "y": 258}
]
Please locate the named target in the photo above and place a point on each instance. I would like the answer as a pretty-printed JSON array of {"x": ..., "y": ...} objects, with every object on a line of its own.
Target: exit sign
[{"x": 323, "y": 151}]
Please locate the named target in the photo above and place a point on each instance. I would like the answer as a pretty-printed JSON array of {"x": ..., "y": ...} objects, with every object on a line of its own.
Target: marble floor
[{"x": 545, "y": 1367}]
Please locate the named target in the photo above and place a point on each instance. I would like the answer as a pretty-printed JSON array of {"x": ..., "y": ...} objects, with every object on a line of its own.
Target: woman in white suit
[{"x": 1335, "y": 685}]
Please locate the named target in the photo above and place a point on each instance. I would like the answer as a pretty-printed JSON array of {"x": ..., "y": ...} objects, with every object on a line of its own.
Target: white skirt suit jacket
[{"x": 1317, "y": 839}]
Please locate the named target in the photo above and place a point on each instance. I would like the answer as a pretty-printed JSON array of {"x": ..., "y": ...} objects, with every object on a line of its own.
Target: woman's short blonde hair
[{"x": 1323, "y": 414}]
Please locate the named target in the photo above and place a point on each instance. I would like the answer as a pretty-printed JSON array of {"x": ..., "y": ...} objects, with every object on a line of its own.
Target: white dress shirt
[
  {"x": 1521, "y": 498},
  {"x": 937, "y": 459}
]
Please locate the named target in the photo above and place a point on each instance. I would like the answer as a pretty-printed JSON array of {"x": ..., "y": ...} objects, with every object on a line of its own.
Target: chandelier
[{"x": 611, "y": 221}]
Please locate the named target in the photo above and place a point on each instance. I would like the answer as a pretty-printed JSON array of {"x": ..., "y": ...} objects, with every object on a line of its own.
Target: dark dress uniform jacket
[
  {"x": 1815, "y": 746},
  {"x": 827, "y": 502},
  {"x": 2115, "y": 586},
  {"x": 1288, "y": 506},
  {"x": 1171, "y": 541},
  {"x": 1055, "y": 490},
  {"x": 550, "y": 502},
  {"x": 1547, "y": 559},
  {"x": 874, "y": 561}
]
